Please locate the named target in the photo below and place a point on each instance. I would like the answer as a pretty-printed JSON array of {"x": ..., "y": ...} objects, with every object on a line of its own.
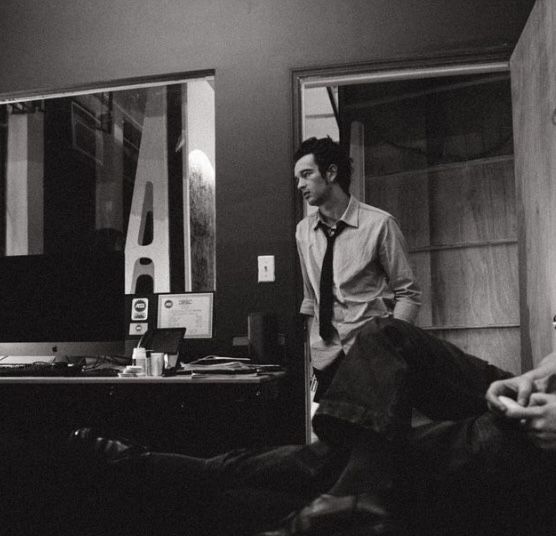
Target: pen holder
[{"x": 157, "y": 364}]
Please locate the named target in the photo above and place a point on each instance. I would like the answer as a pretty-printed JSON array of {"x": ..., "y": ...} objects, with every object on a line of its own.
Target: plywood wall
[
  {"x": 460, "y": 224},
  {"x": 533, "y": 66}
]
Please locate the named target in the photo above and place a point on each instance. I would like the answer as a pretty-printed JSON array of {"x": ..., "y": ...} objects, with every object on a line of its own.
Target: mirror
[{"x": 128, "y": 167}]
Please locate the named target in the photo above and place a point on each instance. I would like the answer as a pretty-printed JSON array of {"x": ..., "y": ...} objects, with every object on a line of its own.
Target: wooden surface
[
  {"x": 473, "y": 202},
  {"x": 461, "y": 227},
  {"x": 533, "y": 66},
  {"x": 475, "y": 286},
  {"x": 451, "y": 204},
  {"x": 498, "y": 346},
  {"x": 239, "y": 379}
]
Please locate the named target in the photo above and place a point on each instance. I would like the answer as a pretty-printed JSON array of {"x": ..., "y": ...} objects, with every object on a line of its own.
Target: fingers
[
  {"x": 546, "y": 384},
  {"x": 542, "y": 399},
  {"x": 515, "y": 388},
  {"x": 495, "y": 390},
  {"x": 541, "y": 385},
  {"x": 495, "y": 405},
  {"x": 519, "y": 412},
  {"x": 524, "y": 391}
]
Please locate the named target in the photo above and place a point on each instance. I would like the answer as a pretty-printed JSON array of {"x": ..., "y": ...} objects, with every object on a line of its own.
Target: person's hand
[
  {"x": 547, "y": 384},
  {"x": 538, "y": 419},
  {"x": 519, "y": 388}
]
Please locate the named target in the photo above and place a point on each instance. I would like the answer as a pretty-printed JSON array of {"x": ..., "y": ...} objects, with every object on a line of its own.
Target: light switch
[{"x": 266, "y": 268}]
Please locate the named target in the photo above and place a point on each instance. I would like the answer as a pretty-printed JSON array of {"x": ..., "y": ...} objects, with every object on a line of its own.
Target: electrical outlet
[{"x": 266, "y": 268}]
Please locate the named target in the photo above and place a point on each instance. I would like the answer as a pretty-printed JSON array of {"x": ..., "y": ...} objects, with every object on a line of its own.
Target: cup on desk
[
  {"x": 157, "y": 364},
  {"x": 139, "y": 358}
]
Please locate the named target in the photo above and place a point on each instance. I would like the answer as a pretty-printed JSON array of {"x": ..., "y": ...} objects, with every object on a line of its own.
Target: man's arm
[
  {"x": 545, "y": 368},
  {"x": 395, "y": 261},
  {"x": 308, "y": 305}
]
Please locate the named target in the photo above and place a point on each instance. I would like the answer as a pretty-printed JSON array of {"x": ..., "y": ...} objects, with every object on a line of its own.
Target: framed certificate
[{"x": 192, "y": 311}]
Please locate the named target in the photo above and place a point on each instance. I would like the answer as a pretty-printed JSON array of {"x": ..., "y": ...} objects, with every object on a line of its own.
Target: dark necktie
[{"x": 326, "y": 280}]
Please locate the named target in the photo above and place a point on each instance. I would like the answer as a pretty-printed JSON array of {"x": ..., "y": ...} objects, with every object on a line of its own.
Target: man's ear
[{"x": 332, "y": 173}]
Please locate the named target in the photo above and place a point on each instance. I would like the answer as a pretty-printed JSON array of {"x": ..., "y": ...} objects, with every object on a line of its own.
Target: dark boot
[{"x": 95, "y": 446}]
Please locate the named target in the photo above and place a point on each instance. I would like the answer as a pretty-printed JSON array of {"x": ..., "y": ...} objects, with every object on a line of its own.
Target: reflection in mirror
[
  {"x": 124, "y": 169},
  {"x": 435, "y": 149}
]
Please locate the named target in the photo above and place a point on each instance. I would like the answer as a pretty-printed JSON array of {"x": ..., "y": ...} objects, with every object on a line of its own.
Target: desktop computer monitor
[{"x": 62, "y": 304}]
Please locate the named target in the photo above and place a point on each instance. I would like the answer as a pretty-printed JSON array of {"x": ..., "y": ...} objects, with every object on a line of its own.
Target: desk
[
  {"x": 234, "y": 379},
  {"x": 199, "y": 415}
]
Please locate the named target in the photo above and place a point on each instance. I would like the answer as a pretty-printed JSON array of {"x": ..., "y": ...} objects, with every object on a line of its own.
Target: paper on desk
[
  {"x": 214, "y": 359},
  {"x": 230, "y": 367}
]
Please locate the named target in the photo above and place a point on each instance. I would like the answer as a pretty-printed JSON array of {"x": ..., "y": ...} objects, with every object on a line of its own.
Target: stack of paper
[{"x": 220, "y": 365}]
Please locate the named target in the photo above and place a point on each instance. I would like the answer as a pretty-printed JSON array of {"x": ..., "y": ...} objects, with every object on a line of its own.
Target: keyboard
[
  {"x": 40, "y": 369},
  {"x": 100, "y": 372},
  {"x": 57, "y": 370}
]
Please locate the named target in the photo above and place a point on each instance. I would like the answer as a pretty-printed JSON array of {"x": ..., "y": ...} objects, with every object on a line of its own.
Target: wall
[
  {"x": 252, "y": 45},
  {"x": 534, "y": 94}
]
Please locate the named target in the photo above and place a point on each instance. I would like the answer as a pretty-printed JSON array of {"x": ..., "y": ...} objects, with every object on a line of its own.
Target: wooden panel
[
  {"x": 421, "y": 264},
  {"x": 406, "y": 197},
  {"x": 468, "y": 202},
  {"x": 475, "y": 286},
  {"x": 500, "y": 347},
  {"x": 533, "y": 66},
  {"x": 460, "y": 224},
  {"x": 473, "y": 202}
]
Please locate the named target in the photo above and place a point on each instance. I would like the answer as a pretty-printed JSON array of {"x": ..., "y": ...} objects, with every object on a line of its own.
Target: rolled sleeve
[
  {"x": 406, "y": 310},
  {"x": 395, "y": 261},
  {"x": 307, "y": 307}
]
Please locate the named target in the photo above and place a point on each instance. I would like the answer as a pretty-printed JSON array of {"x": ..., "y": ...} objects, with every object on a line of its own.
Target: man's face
[{"x": 313, "y": 186}]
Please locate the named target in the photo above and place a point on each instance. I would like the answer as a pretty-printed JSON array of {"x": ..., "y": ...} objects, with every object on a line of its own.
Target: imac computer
[{"x": 58, "y": 305}]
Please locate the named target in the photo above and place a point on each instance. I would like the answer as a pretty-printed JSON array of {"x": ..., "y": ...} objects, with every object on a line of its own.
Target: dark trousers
[
  {"x": 468, "y": 460},
  {"x": 325, "y": 376},
  {"x": 393, "y": 367}
]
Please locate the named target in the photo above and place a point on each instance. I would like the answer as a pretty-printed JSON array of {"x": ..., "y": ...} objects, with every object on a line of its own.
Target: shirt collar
[{"x": 350, "y": 216}]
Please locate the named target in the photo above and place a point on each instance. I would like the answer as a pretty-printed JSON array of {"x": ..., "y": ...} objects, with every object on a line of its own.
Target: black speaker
[{"x": 262, "y": 334}]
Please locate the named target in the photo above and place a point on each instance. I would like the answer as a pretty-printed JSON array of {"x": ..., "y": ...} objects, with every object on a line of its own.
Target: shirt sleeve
[
  {"x": 308, "y": 303},
  {"x": 394, "y": 258}
]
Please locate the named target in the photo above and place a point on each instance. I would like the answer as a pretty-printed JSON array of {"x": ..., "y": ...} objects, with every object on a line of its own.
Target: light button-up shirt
[{"x": 372, "y": 276}]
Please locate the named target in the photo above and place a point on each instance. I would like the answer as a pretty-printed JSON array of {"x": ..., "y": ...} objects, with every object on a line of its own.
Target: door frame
[{"x": 407, "y": 68}]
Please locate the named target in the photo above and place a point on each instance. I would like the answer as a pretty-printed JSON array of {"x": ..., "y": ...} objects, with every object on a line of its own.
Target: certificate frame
[{"x": 190, "y": 310}]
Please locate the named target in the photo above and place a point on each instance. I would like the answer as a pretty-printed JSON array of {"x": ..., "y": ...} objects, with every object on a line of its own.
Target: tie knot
[{"x": 333, "y": 232}]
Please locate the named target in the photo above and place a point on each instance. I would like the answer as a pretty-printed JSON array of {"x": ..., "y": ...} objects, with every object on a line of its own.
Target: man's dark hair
[{"x": 327, "y": 152}]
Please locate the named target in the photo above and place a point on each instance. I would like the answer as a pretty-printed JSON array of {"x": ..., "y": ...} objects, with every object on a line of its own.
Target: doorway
[{"x": 434, "y": 147}]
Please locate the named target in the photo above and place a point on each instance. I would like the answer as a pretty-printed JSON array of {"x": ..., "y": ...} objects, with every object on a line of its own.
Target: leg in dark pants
[
  {"x": 394, "y": 366},
  {"x": 239, "y": 492}
]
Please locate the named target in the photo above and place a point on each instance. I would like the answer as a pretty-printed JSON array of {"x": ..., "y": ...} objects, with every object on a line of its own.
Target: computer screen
[{"x": 77, "y": 297}]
